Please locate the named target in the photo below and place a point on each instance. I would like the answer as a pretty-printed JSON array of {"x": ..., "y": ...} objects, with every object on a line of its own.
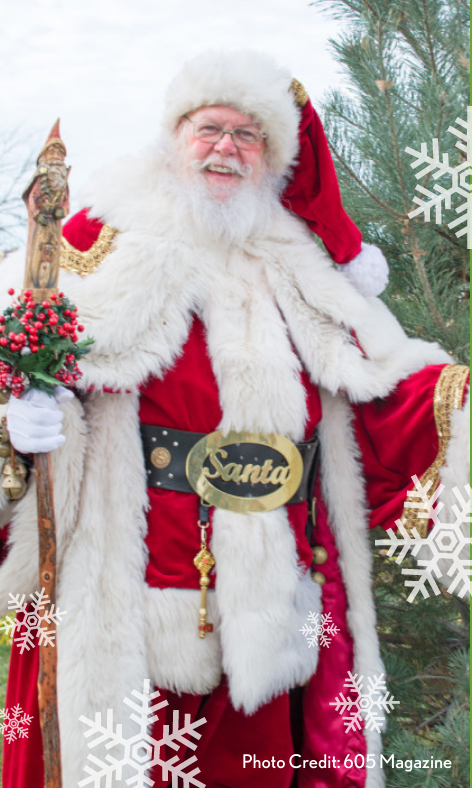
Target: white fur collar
[{"x": 250, "y": 296}]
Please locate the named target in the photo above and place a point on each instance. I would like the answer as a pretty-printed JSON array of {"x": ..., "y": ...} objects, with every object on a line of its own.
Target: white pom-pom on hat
[{"x": 368, "y": 271}]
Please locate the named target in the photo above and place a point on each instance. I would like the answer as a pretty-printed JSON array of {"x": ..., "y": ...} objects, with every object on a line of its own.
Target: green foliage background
[{"x": 407, "y": 80}]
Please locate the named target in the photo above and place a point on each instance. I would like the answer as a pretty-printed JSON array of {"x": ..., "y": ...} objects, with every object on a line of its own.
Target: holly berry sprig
[{"x": 39, "y": 345}]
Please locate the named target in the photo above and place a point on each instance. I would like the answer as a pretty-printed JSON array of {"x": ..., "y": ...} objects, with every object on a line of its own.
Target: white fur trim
[
  {"x": 179, "y": 659},
  {"x": 101, "y": 641},
  {"x": 248, "y": 81},
  {"x": 20, "y": 573},
  {"x": 368, "y": 271},
  {"x": 264, "y": 598}
]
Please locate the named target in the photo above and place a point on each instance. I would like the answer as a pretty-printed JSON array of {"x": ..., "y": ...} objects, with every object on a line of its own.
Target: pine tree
[{"x": 407, "y": 80}]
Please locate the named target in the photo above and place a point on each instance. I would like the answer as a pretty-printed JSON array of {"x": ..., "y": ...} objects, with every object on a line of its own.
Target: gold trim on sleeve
[
  {"x": 299, "y": 92},
  {"x": 448, "y": 396},
  {"x": 85, "y": 263}
]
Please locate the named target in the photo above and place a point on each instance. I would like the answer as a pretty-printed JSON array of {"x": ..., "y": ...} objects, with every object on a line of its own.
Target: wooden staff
[{"x": 47, "y": 201}]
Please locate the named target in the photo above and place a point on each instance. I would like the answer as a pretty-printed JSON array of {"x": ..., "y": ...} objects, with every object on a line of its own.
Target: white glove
[{"x": 35, "y": 420}]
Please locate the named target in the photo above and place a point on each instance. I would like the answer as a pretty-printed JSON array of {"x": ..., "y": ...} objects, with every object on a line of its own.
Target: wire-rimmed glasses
[{"x": 245, "y": 137}]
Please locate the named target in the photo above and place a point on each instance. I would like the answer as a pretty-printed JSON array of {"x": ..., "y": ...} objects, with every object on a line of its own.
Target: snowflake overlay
[
  {"x": 459, "y": 179},
  {"x": 36, "y": 621},
  {"x": 15, "y": 723},
  {"x": 370, "y": 704},
  {"x": 446, "y": 542},
  {"x": 141, "y": 752},
  {"x": 319, "y": 629}
]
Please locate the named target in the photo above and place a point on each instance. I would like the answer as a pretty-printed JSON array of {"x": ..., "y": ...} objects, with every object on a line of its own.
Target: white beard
[{"x": 246, "y": 212}]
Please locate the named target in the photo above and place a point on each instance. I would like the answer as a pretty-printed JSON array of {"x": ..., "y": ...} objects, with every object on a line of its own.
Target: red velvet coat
[{"x": 187, "y": 398}]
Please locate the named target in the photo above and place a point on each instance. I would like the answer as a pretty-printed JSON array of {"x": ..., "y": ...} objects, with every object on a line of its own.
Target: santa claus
[{"x": 227, "y": 347}]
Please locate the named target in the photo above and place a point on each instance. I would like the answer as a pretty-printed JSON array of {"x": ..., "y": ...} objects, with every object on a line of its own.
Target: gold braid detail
[
  {"x": 85, "y": 263},
  {"x": 448, "y": 396},
  {"x": 299, "y": 92}
]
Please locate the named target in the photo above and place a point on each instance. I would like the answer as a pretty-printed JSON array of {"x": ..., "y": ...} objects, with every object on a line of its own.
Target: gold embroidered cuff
[{"x": 448, "y": 396}]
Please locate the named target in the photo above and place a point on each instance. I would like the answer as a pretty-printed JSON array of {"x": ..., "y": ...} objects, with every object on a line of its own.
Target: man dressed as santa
[{"x": 228, "y": 348}]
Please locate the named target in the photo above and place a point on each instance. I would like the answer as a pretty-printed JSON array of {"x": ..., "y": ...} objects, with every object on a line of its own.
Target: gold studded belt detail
[{"x": 241, "y": 471}]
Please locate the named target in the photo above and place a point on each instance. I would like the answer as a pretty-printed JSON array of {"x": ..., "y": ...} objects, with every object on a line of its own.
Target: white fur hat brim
[{"x": 248, "y": 81}]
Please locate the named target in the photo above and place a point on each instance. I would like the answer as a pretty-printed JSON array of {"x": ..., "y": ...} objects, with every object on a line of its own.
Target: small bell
[
  {"x": 4, "y": 439},
  {"x": 14, "y": 484}
]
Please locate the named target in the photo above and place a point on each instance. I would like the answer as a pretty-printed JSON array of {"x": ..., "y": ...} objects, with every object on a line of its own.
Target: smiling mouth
[{"x": 220, "y": 169}]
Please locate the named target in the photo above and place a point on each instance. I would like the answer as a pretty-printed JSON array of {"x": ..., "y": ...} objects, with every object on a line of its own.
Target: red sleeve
[
  {"x": 81, "y": 231},
  {"x": 4, "y": 532},
  {"x": 398, "y": 439}
]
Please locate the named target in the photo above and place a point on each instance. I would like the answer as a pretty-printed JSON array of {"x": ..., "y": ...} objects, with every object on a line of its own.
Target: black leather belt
[{"x": 166, "y": 451}]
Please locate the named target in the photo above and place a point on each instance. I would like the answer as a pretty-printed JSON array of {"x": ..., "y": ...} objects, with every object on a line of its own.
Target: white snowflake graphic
[
  {"x": 459, "y": 180},
  {"x": 319, "y": 629},
  {"x": 14, "y": 723},
  {"x": 141, "y": 752},
  {"x": 445, "y": 552},
  {"x": 369, "y": 704},
  {"x": 36, "y": 623}
]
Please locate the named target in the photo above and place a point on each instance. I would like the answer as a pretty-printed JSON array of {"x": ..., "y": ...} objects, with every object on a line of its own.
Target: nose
[{"x": 226, "y": 144}]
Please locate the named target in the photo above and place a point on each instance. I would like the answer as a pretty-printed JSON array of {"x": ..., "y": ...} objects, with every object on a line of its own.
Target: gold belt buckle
[{"x": 218, "y": 461}]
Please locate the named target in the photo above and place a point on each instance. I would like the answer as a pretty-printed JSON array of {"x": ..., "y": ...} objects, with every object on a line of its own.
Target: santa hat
[{"x": 297, "y": 147}]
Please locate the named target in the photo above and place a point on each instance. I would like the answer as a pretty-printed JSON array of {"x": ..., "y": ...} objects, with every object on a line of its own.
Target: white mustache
[{"x": 236, "y": 167}]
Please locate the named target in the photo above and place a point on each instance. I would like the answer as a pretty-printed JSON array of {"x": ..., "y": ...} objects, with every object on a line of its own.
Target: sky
[{"x": 102, "y": 66}]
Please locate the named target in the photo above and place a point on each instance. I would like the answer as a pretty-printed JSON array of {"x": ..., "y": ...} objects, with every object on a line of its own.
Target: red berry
[
  {"x": 34, "y": 348},
  {"x": 38, "y": 324},
  {"x": 81, "y": 328},
  {"x": 14, "y": 347},
  {"x": 27, "y": 294},
  {"x": 41, "y": 316},
  {"x": 11, "y": 291},
  {"x": 3, "y": 341},
  {"x": 2, "y": 318},
  {"x": 45, "y": 304}
]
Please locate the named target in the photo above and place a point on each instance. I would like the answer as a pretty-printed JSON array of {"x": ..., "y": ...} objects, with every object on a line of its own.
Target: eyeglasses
[{"x": 245, "y": 137}]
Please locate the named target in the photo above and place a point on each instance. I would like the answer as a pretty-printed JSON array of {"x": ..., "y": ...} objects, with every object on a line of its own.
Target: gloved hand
[{"x": 34, "y": 421}]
